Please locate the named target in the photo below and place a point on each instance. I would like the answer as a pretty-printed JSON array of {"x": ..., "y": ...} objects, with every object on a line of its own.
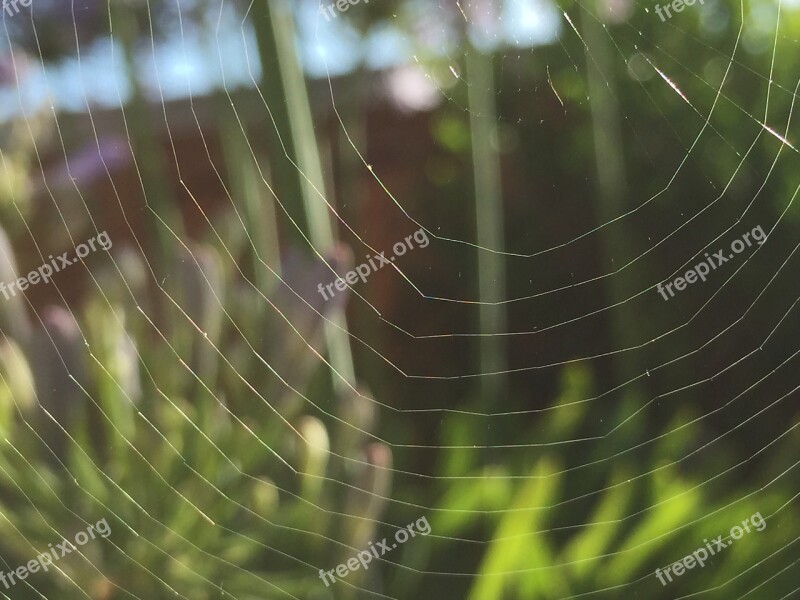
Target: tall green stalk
[
  {"x": 611, "y": 183},
  {"x": 488, "y": 219},
  {"x": 144, "y": 137},
  {"x": 258, "y": 209},
  {"x": 291, "y": 137}
]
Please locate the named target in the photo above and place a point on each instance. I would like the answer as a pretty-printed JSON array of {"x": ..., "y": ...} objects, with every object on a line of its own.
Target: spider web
[{"x": 741, "y": 358}]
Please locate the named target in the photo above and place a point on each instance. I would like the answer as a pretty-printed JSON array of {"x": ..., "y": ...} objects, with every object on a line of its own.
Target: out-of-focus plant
[
  {"x": 557, "y": 534},
  {"x": 17, "y": 157},
  {"x": 176, "y": 451}
]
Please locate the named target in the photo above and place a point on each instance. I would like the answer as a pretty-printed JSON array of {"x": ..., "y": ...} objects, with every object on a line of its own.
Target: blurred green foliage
[{"x": 179, "y": 410}]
